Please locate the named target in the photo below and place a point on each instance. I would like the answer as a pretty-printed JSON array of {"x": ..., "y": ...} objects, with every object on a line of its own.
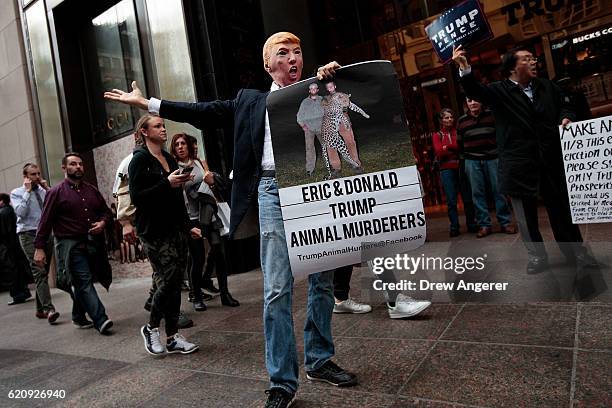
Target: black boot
[
  {"x": 210, "y": 288},
  {"x": 184, "y": 322},
  {"x": 228, "y": 300}
]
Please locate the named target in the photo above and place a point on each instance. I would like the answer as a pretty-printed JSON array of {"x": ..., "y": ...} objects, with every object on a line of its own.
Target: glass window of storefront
[
  {"x": 584, "y": 60},
  {"x": 172, "y": 60},
  {"x": 570, "y": 39},
  {"x": 112, "y": 48},
  {"x": 396, "y": 29},
  {"x": 46, "y": 90}
]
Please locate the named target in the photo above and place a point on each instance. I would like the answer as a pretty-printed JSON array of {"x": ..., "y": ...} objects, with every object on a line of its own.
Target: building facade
[
  {"x": 61, "y": 55},
  {"x": 570, "y": 38},
  {"x": 18, "y": 136},
  {"x": 72, "y": 51}
]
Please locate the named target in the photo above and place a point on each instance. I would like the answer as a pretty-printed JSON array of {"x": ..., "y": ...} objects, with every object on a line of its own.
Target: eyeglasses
[{"x": 530, "y": 59}]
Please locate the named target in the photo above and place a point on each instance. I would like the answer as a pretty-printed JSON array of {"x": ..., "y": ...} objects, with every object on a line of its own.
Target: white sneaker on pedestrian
[
  {"x": 151, "y": 340},
  {"x": 351, "y": 306},
  {"x": 405, "y": 306},
  {"x": 179, "y": 344}
]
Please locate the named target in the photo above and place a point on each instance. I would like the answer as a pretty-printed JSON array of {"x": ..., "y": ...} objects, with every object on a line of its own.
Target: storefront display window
[
  {"x": 584, "y": 59},
  {"x": 45, "y": 85},
  {"x": 111, "y": 43}
]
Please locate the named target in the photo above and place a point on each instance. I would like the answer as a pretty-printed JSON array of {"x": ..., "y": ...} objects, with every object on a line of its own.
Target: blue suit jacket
[{"x": 246, "y": 114}]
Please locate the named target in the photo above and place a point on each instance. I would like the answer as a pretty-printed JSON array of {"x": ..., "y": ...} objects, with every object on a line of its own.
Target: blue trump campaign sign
[{"x": 465, "y": 24}]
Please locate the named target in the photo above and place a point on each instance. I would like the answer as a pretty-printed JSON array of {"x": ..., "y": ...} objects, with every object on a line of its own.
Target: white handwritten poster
[{"x": 587, "y": 157}]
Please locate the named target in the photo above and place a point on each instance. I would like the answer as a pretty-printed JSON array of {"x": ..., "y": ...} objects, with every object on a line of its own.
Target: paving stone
[
  {"x": 593, "y": 381},
  {"x": 210, "y": 391},
  {"x": 490, "y": 375},
  {"x": 595, "y": 330},
  {"x": 428, "y": 325},
  {"x": 128, "y": 387},
  {"x": 382, "y": 365},
  {"x": 311, "y": 395},
  {"x": 552, "y": 325}
]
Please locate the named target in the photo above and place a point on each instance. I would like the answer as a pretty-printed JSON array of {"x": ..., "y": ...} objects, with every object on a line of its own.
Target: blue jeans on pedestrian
[
  {"x": 450, "y": 183},
  {"x": 281, "y": 354},
  {"x": 85, "y": 298},
  {"x": 482, "y": 173},
  {"x": 466, "y": 197}
]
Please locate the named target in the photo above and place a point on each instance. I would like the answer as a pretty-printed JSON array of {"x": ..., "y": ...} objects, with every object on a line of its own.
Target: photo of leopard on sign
[
  {"x": 351, "y": 125},
  {"x": 337, "y": 137}
]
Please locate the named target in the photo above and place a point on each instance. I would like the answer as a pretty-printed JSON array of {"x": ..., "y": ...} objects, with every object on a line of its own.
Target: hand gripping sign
[{"x": 465, "y": 24}]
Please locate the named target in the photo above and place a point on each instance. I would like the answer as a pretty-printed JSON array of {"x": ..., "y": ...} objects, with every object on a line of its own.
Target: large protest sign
[
  {"x": 345, "y": 168},
  {"x": 587, "y": 157},
  {"x": 465, "y": 24}
]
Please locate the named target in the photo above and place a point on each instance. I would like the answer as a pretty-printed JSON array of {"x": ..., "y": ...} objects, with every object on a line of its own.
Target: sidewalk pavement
[{"x": 465, "y": 354}]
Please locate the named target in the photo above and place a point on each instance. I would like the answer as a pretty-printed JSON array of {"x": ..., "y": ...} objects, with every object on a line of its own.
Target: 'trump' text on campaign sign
[
  {"x": 327, "y": 223},
  {"x": 464, "y": 24}
]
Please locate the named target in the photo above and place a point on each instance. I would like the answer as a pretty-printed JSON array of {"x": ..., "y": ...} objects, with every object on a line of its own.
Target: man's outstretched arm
[{"x": 199, "y": 114}]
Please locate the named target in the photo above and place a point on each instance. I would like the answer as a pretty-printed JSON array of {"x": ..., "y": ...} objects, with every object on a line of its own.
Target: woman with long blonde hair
[{"x": 163, "y": 227}]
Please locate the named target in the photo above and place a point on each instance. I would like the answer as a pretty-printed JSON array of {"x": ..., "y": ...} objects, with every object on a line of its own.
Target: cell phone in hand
[{"x": 187, "y": 170}]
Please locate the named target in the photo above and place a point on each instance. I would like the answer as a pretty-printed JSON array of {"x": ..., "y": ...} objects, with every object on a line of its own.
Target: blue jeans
[
  {"x": 481, "y": 173},
  {"x": 85, "y": 298},
  {"x": 281, "y": 354},
  {"x": 466, "y": 197},
  {"x": 450, "y": 182}
]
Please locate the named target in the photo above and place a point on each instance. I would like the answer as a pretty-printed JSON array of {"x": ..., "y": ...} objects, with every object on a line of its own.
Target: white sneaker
[
  {"x": 179, "y": 344},
  {"x": 151, "y": 340},
  {"x": 406, "y": 306},
  {"x": 350, "y": 306}
]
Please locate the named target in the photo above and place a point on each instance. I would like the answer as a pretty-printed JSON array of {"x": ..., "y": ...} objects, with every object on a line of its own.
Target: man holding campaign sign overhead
[
  {"x": 528, "y": 111},
  {"x": 465, "y": 24}
]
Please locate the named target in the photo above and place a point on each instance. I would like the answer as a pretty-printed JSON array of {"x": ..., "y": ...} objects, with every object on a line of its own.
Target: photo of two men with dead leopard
[{"x": 350, "y": 125}]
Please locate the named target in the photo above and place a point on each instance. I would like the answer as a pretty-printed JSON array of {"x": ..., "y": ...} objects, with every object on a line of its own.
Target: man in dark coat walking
[
  {"x": 14, "y": 266},
  {"x": 77, "y": 214},
  {"x": 528, "y": 111}
]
